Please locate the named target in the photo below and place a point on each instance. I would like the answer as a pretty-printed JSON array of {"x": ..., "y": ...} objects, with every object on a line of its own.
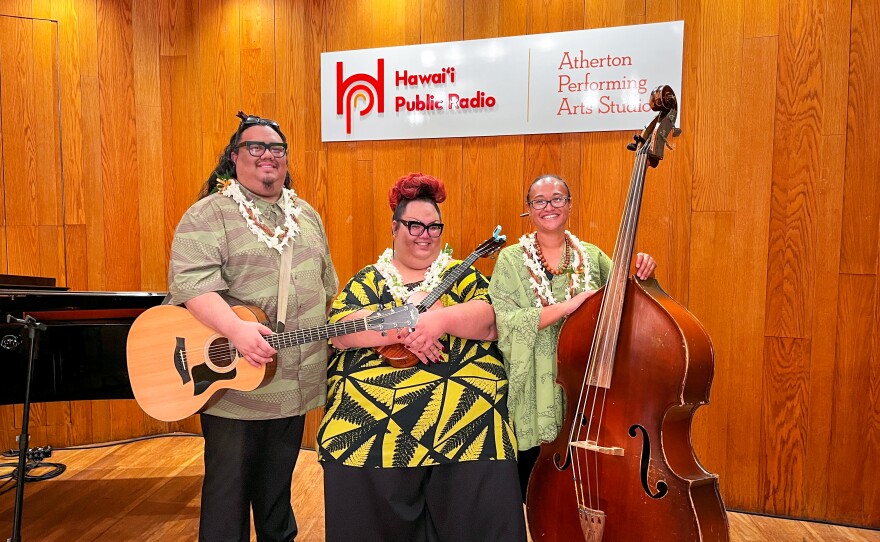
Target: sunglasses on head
[{"x": 253, "y": 120}]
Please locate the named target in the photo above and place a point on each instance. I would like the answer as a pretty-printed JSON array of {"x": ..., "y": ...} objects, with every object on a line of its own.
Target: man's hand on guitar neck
[{"x": 247, "y": 337}]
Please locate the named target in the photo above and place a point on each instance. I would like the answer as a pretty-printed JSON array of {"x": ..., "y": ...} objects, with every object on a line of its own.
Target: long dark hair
[{"x": 225, "y": 168}]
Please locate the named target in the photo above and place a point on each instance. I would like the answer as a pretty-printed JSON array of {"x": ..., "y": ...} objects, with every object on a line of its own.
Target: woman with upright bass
[
  {"x": 532, "y": 297},
  {"x": 605, "y": 373}
]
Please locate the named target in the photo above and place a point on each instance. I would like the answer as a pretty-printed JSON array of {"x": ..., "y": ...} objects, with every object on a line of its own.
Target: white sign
[{"x": 582, "y": 81}]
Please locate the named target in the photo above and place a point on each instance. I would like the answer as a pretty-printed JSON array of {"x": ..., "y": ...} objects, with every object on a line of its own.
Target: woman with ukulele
[
  {"x": 535, "y": 285},
  {"x": 425, "y": 452}
]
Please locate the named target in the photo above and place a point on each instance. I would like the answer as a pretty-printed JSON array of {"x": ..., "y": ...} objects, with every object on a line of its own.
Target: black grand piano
[{"x": 81, "y": 356}]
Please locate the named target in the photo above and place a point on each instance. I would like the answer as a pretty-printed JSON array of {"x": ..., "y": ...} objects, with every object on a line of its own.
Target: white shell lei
[
  {"x": 538, "y": 276},
  {"x": 281, "y": 236},
  {"x": 394, "y": 280}
]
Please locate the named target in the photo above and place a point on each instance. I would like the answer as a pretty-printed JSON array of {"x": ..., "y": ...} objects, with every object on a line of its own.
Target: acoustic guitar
[
  {"x": 397, "y": 355},
  {"x": 177, "y": 365}
]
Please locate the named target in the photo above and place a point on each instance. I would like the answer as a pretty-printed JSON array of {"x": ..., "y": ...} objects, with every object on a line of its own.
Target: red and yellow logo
[{"x": 357, "y": 87}]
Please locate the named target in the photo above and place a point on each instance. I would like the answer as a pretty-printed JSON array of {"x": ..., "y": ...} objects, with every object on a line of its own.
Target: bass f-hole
[{"x": 662, "y": 488}]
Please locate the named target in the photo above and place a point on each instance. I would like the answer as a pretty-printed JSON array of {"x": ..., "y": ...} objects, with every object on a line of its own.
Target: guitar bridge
[{"x": 180, "y": 360}]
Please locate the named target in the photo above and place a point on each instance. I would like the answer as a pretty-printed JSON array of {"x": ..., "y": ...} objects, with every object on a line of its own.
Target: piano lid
[
  {"x": 81, "y": 355},
  {"x": 22, "y": 301},
  {"x": 28, "y": 282}
]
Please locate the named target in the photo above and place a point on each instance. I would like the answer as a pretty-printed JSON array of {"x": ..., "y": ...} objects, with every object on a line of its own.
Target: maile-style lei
[
  {"x": 577, "y": 272},
  {"x": 277, "y": 238},
  {"x": 394, "y": 280}
]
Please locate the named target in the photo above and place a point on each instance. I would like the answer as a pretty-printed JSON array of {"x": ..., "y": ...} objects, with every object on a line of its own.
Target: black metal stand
[{"x": 32, "y": 326}]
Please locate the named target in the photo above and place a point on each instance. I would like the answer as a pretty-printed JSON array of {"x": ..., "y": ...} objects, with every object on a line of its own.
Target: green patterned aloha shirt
[
  {"x": 215, "y": 251},
  {"x": 535, "y": 399},
  {"x": 453, "y": 411}
]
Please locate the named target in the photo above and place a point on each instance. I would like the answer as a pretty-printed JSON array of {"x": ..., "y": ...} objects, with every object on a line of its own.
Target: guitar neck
[
  {"x": 312, "y": 334},
  {"x": 447, "y": 283}
]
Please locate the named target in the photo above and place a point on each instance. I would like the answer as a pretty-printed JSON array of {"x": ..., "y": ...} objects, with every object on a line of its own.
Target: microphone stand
[{"x": 32, "y": 326}]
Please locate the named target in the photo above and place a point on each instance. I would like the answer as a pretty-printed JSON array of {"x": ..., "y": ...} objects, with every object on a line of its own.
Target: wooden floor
[{"x": 149, "y": 490}]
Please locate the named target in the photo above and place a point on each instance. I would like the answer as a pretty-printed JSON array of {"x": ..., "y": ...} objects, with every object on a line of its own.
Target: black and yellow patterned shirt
[{"x": 378, "y": 416}]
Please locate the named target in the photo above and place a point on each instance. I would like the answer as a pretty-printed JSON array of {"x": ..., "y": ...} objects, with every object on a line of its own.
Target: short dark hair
[
  {"x": 547, "y": 176},
  {"x": 415, "y": 187},
  {"x": 225, "y": 168}
]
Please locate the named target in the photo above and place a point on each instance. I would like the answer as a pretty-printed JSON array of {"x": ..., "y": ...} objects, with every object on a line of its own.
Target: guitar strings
[{"x": 215, "y": 350}]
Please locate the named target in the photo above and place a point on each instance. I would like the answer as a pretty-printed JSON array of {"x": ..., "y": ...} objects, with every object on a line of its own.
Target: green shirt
[
  {"x": 214, "y": 251},
  {"x": 535, "y": 399},
  {"x": 453, "y": 411}
]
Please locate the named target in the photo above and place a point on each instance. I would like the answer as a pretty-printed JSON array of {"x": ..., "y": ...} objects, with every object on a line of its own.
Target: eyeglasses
[
  {"x": 416, "y": 228},
  {"x": 257, "y": 148},
  {"x": 538, "y": 204},
  {"x": 247, "y": 120}
]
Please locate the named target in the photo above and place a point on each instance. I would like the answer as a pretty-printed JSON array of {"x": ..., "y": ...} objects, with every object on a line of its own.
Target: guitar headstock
[
  {"x": 491, "y": 245},
  {"x": 395, "y": 318}
]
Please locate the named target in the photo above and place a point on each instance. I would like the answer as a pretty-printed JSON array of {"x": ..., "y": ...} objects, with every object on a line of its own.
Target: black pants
[
  {"x": 459, "y": 502},
  {"x": 525, "y": 462},
  {"x": 249, "y": 464}
]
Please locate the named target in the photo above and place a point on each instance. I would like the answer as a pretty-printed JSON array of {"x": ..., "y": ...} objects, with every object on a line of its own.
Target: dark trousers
[
  {"x": 458, "y": 502},
  {"x": 525, "y": 462},
  {"x": 249, "y": 464}
]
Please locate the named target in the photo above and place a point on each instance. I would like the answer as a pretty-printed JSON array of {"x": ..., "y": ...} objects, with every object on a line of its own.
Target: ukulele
[{"x": 399, "y": 356}]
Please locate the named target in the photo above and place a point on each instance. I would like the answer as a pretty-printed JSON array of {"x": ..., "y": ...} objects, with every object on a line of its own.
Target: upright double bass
[{"x": 622, "y": 467}]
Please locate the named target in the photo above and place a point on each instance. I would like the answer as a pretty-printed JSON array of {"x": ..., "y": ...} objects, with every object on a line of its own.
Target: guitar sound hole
[{"x": 221, "y": 352}]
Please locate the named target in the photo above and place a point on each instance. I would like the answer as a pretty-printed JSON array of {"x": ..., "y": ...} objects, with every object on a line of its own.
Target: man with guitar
[
  {"x": 425, "y": 450},
  {"x": 229, "y": 249}
]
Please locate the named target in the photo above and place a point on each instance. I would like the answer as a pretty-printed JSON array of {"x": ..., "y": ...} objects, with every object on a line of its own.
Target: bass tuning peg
[{"x": 638, "y": 140}]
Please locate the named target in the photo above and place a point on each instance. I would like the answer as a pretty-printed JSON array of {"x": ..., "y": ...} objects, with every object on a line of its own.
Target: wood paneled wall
[{"x": 765, "y": 218}]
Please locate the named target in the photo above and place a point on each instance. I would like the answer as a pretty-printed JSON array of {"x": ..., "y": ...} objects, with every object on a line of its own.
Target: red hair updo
[{"x": 416, "y": 186}]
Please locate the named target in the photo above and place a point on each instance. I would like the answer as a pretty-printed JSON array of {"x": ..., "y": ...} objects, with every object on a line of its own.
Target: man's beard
[{"x": 268, "y": 183}]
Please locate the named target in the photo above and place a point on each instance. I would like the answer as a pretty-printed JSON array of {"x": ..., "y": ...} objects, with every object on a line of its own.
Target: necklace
[
  {"x": 394, "y": 281},
  {"x": 275, "y": 238},
  {"x": 565, "y": 263},
  {"x": 576, "y": 265}
]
